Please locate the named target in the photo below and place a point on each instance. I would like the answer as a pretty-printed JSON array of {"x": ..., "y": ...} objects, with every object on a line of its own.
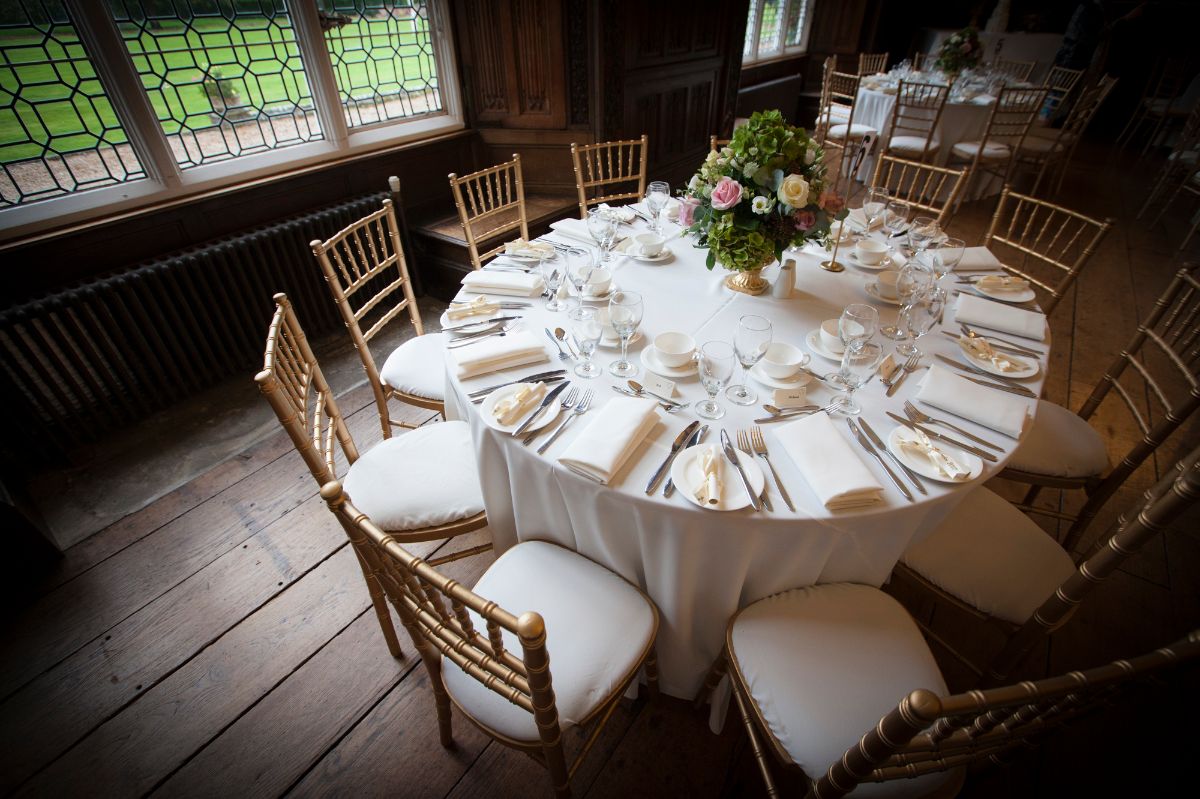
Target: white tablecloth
[{"x": 700, "y": 566}]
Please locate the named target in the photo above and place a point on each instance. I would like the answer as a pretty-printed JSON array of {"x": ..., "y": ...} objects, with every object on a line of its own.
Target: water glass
[
  {"x": 580, "y": 265},
  {"x": 602, "y": 225},
  {"x": 552, "y": 273},
  {"x": 923, "y": 231},
  {"x": 874, "y": 207},
  {"x": 658, "y": 194},
  {"x": 750, "y": 341},
  {"x": 624, "y": 314},
  {"x": 913, "y": 279},
  {"x": 858, "y": 324},
  {"x": 894, "y": 219},
  {"x": 858, "y": 365},
  {"x": 950, "y": 252},
  {"x": 586, "y": 330},
  {"x": 918, "y": 318},
  {"x": 716, "y": 367}
]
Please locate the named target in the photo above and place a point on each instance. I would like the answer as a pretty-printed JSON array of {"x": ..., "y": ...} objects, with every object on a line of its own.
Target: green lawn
[{"x": 53, "y": 90}]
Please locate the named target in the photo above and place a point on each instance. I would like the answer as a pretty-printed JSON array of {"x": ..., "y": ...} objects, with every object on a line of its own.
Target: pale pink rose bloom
[
  {"x": 831, "y": 202},
  {"x": 687, "y": 210},
  {"x": 726, "y": 194},
  {"x": 805, "y": 220}
]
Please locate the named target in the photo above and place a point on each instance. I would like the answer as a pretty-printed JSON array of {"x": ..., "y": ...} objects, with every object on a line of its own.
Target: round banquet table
[{"x": 700, "y": 566}]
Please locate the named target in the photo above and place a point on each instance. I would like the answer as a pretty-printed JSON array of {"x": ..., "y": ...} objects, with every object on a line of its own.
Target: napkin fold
[
  {"x": 998, "y": 316},
  {"x": 917, "y": 444},
  {"x": 498, "y": 352},
  {"x": 518, "y": 404},
  {"x": 833, "y": 470},
  {"x": 976, "y": 258},
  {"x": 573, "y": 228},
  {"x": 1002, "y": 283},
  {"x": 858, "y": 217},
  {"x": 515, "y": 284},
  {"x": 624, "y": 212},
  {"x": 982, "y": 350},
  {"x": 604, "y": 446},
  {"x": 529, "y": 249},
  {"x": 708, "y": 492},
  {"x": 478, "y": 306},
  {"x": 1003, "y": 412}
]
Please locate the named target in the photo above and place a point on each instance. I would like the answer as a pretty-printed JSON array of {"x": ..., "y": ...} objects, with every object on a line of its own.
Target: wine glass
[
  {"x": 894, "y": 219},
  {"x": 552, "y": 273},
  {"x": 624, "y": 314},
  {"x": 750, "y": 341},
  {"x": 874, "y": 206},
  {"x": 602, "y": 226},
  {"x": 913, "y": 279},
  {"x": 858, "y": 365},
  {"x": 587, "y": 330},
  {"x": 923, "y": 311},
  {"x": 580, "y": 265},
  {"x": 857, "y": 324},
  {"x": 658, "y": 194},
  {"x": 950, "y": 252},
  {"x": 716, "y": 367},
  {"x": 922, "y": 232}
]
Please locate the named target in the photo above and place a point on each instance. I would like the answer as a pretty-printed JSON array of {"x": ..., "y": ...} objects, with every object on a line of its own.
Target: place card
[
  {"x": 790, "y": 397},
  {"x": 658, "y": 384},
  {"x": 887, "y": 367}
]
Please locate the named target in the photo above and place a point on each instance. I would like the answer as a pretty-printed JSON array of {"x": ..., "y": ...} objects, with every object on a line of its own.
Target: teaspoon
[
  {"x": 562, "y": 336},
  {"x": 639, "y": 389}
]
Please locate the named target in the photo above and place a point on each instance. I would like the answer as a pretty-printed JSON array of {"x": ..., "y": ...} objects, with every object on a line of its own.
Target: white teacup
[
  {"x": 674, "y": 349},
  {"x": 782, "y": 360},
  {"x": 831, "y": 338},
  {"x": 599, "y": 282},
  {"x": 885, "y": 283},
  {"x": 838, "y": 231},
  {"x": 650, "y": 244},
  {"x": 870, "y": 252}
]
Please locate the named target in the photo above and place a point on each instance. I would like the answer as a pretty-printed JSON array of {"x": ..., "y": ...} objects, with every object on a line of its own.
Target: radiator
[{"x": 96, "y": 357}]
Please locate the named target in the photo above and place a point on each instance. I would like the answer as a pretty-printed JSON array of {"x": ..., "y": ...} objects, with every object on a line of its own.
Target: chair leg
[
  {"x": 711, "y": 680},
  {"x": 1031, "y": 494},
  {"x": 650, "y": 666},
  {"x": 441, "y": 701},
  {"x": 379, "y": 601},
  {"x": 760, "y": 754}
]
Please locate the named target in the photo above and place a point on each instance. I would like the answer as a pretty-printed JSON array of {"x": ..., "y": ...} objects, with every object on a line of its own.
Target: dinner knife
[
  {"x": 474, "y": 337},
  {"x": 731, "y": 454},
  {"x": 995, "y": 346},
  {"x": 549, "y": 398},
  {"x": 696, "y": 438},
  {"x": 543, "y": 376},
  {"x": 993, "y": 381},
  {"x": 462, "y": 330},
  {"x": 680, "y": 440},
  {"x": 878, "y": 442},
  {"x": 936, "y": 436},
  {"x": 865, "y": 444}
]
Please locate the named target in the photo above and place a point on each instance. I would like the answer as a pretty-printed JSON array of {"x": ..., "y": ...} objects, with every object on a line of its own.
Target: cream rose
[{"x": 794, "y": 191}]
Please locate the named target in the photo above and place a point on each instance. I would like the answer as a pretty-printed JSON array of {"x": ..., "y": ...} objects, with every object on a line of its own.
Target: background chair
[
  {"x": 1009, "y": 121},
  {"x": 840, "y": 134},
  {"x": 925, "y": 187},
  {"x": 490, "y": 203},
  {"x": 592, "y": 629},
  {"x": 1178, "y": 168},
  {"x": 912, "y": 130},
  {"x": 1017, "y": 70},
  {"x": 1048, "y": 148},
  {"x": 1059, "y": 82},
  {"x": 922, "y": 61},
  {"x": 714, "y": 143},
  {"x": 1028, "y": 233},
  {"x": 364, "y": 266},
  {"x": 872, "y": 63},
  {"x": 1164, "y": 98},
  {"x": 601, "y": 169}
]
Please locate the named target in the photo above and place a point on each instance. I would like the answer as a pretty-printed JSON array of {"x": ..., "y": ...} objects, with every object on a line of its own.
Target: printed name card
[
  {"x": 658, "y": 384},
  {"x": 887, "y": 366},
  {"x": 790, "y": 397}
]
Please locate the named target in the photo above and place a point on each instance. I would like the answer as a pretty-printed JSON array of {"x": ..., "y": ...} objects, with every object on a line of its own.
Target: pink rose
[
  {"x": 805, "y": 220},
  {"x": 831, "y": 202},
  {"x": 687, "y": 210},
  {"x": 726, "y": 194}
]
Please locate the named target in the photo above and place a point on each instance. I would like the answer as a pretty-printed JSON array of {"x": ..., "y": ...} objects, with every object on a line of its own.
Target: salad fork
[
  {"x": 743, "y": 442},
  {"x": 917, "y": 415},
  {"x": 566, "y": 403},
  {"x": 585, "y": 402},
  {"x": 907, "y": 368},
  {"x": 760, "y": 449}
]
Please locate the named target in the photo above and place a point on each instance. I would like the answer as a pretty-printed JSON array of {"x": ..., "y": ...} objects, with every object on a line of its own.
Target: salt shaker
[{"x": 785, "y": 281}]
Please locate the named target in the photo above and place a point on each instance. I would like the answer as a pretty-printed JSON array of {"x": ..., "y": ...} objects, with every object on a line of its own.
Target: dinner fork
[
  {"x": 566, "y": 403},
  {"x": 743, "y": 442},
  {"x": 917, "y": 415},
  {"x": 585, "y": 402},
  {"x": 907, "y": 368},
  {"x": 760, "y": 449}
]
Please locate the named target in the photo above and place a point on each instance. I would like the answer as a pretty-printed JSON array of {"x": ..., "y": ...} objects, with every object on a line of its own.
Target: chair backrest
[
  {"x": 927, "y": 733},
  {"x": 1085, "y": 108},
  {"x": 926, "y": 187},
  {"x": 1044, "y": 243},
  {"x": 840, "y": 96},
  {"x": 1060, "y": 82},
  {"x": 292, "y": 382},
  {"x": 872, "y": 63},
  {"x": 490, "y": 203},
  {"x": 1012, "y": 114},
  {"x": 1018, "y": 70},
  {"x": 922, "y": 60},
  {"x": 714, "y": 143},
  {"x": 602, "y": 168},
  {"x": 917, "y": 111}
]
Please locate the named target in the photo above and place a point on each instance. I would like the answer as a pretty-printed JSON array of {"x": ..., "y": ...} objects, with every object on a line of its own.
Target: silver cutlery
[
  {"x": 803, "y": 411},
  {"x": 696, "y": 438},
  {"x": 465, "y": 340},
  {"x": 993, "y": 339},
  {"x": 562, "y": 356},
  {"x": 774, "y": 411},
  {"x": 1020, "y": 391},
  {"x": 760, "y": 449},
  {"x": 546, "y": 401},
  {"x": 917, "y": 415},
  {"x": 743, "y": 439},
  {"x": 995, "y": 346},
  {"x": 954, "y": 442},
  {"x": 640, "y": 389},
  {"x": 676, "y": 446},
  {"x": 866, "y": 445},
  {"x": 581, "y": 408},
  {"x": 822, "y": 378},
  {"x": 731, "y": 455},
  {"x": 878, "y": 442},
  {"x": 984, "y": 373},
  {"x": 668, "y": 407},
  {"x": 997, "y": 338},
  {"x": 567, "y": 402},
  {"x": 482, "y": 326},
  {"x": 562, "y": 336},
  {"x": 543, "y": 376},
  {"x": 908, "y": 367}
]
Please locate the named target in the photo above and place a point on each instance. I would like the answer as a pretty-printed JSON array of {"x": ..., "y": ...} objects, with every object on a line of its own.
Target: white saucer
[
  {"x": 1006, "y": 296},
  {"x": 664, "y": 255},
  {"x": 875, "y": 295},
  {"x": 545, "y": 416},
  {"x": 651, "y": 362},
  {"x": 884, "y": 263},
  {"x": 614, "y": 342},
  {"x": 605, "y": 297},
  {"x": 813, "y": 340},
  {"x": 685, "y": 471},
  {"x": 926, "y": 469},
  {"x": 797, "y": 380},
  {"x": 1030, "y": 366}
]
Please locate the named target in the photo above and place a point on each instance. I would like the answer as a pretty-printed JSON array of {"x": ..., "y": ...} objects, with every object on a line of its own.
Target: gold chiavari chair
[
  {"x": 921, "y": 61},
  {"x": 924, "y": 187},
  {"x": 365, "y": 270},
  {"x": 490, "y": 203},
  {"x": 1017, "y": 70},
  {"x": 1046, "y": 148},
  {"x": 1060, "y": 82},
  {"x": 872, "y": 63},
  {"x": 1191, "y": 185},
  {"x": 840, "y": 133},
  {"x": 588, "y": 626},
  {"x": 1163, "y": 98},
  {"x": 1178, "y": 167},
  {"x": 1029, "y": 234},
  {"x": 1008, "y": 123},
  {"x": 912, "y": 130},
  {"x": 424, "y": 484},
  {"x": 1156, "y": 375},
  {"x": 600, "y": 169},
  {"x": 715, "y": 144}
]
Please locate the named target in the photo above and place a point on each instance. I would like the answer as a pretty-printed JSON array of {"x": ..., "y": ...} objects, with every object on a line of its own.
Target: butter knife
[
  {"x": 549, "y": 398},
  {"x": 696, "y": 438},
  {"x": 998, "y": 381},
  {"x": 731, "y": 455},
  {"x": 878, "y": 442},
  {"x": 680, "y": 440},
  {"x": 936, "y": 436}
]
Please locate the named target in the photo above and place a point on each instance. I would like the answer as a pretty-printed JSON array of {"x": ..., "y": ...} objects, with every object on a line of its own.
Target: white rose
[
  {"x": 694, "y": 182},
  {"x": 794, "y": 191},
  {"x": 810, "y": 154}
]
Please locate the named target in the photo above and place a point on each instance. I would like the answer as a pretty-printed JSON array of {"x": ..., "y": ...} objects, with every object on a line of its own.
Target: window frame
[
  {"x": 166, "y": 183},
  {"x": 754, "y": 28}
]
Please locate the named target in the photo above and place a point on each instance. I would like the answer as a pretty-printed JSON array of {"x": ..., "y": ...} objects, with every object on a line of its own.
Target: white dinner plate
[
  {"x": 873, "y": 290},
  {"x": 923, "y": 467},
  {"x": 545, "y": 417},
  {"x": 795, "y": 381},
  {"x": 1029, "y": 366},
  {"x": 685, "y": 471},
  {"x": 1006, "y": 296},
  {"x": 651, "y": 362},
  {"x": 813, "y": 340}
]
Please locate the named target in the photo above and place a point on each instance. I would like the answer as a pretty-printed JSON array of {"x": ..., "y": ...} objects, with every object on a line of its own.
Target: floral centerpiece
[
  {"x": 763, "y": 193},
  {"x": 960, "y": 51}
]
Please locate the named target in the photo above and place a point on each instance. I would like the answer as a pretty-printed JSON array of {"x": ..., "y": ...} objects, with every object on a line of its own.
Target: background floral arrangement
[
  {"x": 960, "y": 51},
  {"x": 763, "y": 193}
]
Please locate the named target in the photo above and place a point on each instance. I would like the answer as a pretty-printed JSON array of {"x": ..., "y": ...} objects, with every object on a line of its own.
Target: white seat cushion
[
  {"x": 418, "y": 479},
  {"x": 597, "y": 627},
  {"x": 417, "y": 367},
  {"x": 825, "y": 663},
  {"x": 992, "y": 151},
  {"x": 1060, "y": 444},
  {"x": 1184, "y": 157},
  {"x": 911, "y": 145},
  {"x": 1040, "y": 144},
  {"x": 993, "y": 557},
  {"x": 857, "y": 131}
]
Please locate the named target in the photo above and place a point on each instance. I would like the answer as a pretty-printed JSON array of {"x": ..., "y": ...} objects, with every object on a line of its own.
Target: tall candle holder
[{"x": 833, "y": 264}]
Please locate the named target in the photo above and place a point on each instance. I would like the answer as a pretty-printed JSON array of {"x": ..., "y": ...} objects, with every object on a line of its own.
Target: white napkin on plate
[
  {"x": 498, "y": 352},
  {"x": 708, "y": 491},
  {"x": 1003, "y": 412},
  {"x": 617, "y": 429},
  {"x": 624, "y": 212},
  {"x": 859, "y": 217},
  {"x": 976, "y": 258},
  {"x": 478, "y": 306},
  {"x": 516, "y": 284},
  {"x": 833, "y": 470},
  {"x": 529, "y": 249},
  {"x": 1002, "y": 283},
  {"x": 981, "y": 349},
  {"x": 518, "y": 404},
  {"x": 997, "y": 316},
  {"x": 918, "y": 445}
]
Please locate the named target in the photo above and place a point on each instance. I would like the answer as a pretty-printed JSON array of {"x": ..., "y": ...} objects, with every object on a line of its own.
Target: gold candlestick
[{"x": 833, "y": 264}]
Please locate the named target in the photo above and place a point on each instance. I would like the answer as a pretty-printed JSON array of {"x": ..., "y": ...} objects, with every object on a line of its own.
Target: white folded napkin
[
  {"x": 518, "y": 404},
  {"x": 498, "y": 352},
  {"x": 478, "y": 306},
  {"x": 833, "y": 470},
  {"x": 918, "y": 445},
  {"x": 623, "y": 212},
  {"x": 618, "y": 428},
  {"x": 573, "y": 228},
  {"x": 983, "y": 99},
  {"x": 671, "y": 209},
  {"x": 1002, "y": 283},
  {"x": 975, "y": 258},
  {"x": 858, "y": 217},
  {"x": 982, "y": 350},
  {"x": 529, "y": 249},
  {"x": 708, "y": 491},
  {"x": 1003, "y": 412},
  {"x": 997, "y": 316},
  {"x": 516, "y": 284}
]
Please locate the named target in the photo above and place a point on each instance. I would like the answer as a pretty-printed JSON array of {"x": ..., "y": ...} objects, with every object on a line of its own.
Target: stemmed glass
[
  {"x": 553, "y": 276},
  {"x": 894, "y": 219},
  {"x": 922, "y": 232},
  {"x": 923, "y": 311},
  {"x": 602, "y": 225},
  {"x": 580, "y": 265},
  {"x": 913, "y": 279},
  {"x": 716, "y": 367},
  {"x": 857, "y": 324},
  {"x": 624, "y": 314},
  {"x": 750, "y": 341},
  {"x": 949, "y": 253},
  {"x": 587, "y": 330},
  {"x": 658, "y": 193},
  {"x": 858, "y": 364},
  {"x": 874, "y": 206}
]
